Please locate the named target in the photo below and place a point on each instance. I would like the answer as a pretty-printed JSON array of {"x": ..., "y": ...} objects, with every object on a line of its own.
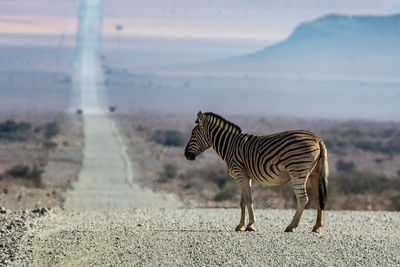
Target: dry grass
[
  {"x": 56, "y": 166},
  {"x": 369, "y": 184}
]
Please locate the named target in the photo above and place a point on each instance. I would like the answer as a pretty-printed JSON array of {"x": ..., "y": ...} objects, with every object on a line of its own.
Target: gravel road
[
  {"x": 107, "y": 178},
  {"x": 185, "y": 237}
]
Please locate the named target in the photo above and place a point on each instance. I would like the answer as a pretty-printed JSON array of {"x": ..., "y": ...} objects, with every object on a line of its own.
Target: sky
[
  {"x": 234, "y": 19},
  {"x": 226, "y": 19}
]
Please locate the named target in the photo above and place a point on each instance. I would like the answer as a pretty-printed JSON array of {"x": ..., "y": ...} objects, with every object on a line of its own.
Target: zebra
[{"x": 275, "y": 159}]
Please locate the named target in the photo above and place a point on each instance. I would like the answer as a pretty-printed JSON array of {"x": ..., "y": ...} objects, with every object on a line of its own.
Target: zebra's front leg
[
  {"x": 240, "y": 226},
  {"x": 245, "y": 187}
]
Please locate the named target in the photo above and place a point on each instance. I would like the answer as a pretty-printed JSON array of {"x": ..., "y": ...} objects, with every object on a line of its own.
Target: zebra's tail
[{"x": 323, "y": 175}]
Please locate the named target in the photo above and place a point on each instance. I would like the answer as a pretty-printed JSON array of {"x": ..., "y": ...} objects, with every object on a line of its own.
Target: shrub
[
  {"x": 221, "y": 180},
  {"x": 395, "y": 205},
  {"x": 352, "y": 133},
  {"x": 25, "y": 172},
  {"x": 338, "y": 146},
  {"x": 187, "y": 186},
  {"x": 141, "y": 128},
  {"x": 168, "y": 138},
  {"x": 49, "y": 145},
  {"x": 14, "y": 131},
  {"x": 385, "y": 133},
  {"x": 51, "y": 129},
  {"x": 344, "y": 166},
  {"x": 362, "y": 182},
  {"x": 36, "y": 176},
  {"x": 393, "y": 146},
  {"x": 19, "y": 170},
  {"x": 390, "y": 147},
  {"x": 369, "y": 145},
  {"x": 169, "y": 173},
  {"x": 229, "y": 192}
]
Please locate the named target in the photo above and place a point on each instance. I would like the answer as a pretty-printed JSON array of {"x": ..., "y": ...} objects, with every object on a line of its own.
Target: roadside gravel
[
  {"x": 183, "y": 237},
  {"x": 14, "y": 234}
]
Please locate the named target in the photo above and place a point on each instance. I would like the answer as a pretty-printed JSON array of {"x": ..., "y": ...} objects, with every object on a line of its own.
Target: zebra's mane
[{"x": 218, "y": 117}]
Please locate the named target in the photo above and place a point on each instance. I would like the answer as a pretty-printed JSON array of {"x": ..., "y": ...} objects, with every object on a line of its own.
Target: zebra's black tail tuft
[{"x": 323, "y": 176}]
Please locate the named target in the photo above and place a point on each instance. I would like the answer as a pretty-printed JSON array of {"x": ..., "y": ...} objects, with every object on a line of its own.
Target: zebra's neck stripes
[{"x": 222, "y": 133}]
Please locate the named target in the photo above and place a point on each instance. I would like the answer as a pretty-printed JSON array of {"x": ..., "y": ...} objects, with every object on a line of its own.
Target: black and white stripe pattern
[{"x": 272, "y": 160}]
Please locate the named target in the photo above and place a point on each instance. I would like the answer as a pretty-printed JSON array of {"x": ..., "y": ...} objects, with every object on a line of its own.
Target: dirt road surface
[
  {"x": 106, "y": 180},
  {"x": 108, "y": 220}
]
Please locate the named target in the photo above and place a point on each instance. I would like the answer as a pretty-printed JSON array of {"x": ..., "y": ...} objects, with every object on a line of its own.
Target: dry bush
[
  {"x": 15, "y": 131},
  {"x": 33, "y": 174},
  {"x": 344, "y": 166},
  {"x": 395, "y": 205},
  {"x": 169, "y": 138}
]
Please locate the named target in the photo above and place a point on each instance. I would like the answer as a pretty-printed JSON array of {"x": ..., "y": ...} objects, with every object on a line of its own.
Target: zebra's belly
[{"x": 279, "y": 178}]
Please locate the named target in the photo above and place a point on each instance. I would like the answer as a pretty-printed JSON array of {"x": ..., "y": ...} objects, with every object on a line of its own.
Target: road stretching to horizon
[{"x": 106, "y": 180}]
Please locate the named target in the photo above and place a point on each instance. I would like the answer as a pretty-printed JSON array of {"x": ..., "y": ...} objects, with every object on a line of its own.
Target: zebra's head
[{"x": 198, "y": 142}]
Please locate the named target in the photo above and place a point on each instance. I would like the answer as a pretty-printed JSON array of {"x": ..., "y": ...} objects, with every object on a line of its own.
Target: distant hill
[{"x": 334, "y": 45}]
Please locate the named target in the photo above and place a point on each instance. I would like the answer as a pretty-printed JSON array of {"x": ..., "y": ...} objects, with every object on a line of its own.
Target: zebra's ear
[{"x": 200, "y": 118}]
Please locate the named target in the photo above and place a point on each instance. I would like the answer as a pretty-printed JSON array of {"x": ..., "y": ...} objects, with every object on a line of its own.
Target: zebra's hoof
[
  {"x": 289, "y": 230},
  {"x": 239, "y": 228},
  {"x": 316, "y": 229},
  {"x": 250, "y": 228}
]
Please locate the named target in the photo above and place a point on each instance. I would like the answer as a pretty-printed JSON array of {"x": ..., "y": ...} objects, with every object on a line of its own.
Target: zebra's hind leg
[
  {"x": 314, "y": 176},
  {"x": 245, "y": 188},
  {"x": 299, "y": 185},
  {"x": 240, "y": 226}
]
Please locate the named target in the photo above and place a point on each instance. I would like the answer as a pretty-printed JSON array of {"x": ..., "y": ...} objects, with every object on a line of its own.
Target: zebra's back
[{"x": 273, "y": 159}]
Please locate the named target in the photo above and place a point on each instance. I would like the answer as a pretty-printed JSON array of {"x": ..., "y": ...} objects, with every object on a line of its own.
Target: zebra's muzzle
[{"x": 190, "y": 155}]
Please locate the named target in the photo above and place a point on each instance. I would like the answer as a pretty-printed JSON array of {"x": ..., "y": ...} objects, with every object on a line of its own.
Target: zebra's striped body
[
  {"x": 272, "y": 160},
  {"x": 269, "y": 159}
]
